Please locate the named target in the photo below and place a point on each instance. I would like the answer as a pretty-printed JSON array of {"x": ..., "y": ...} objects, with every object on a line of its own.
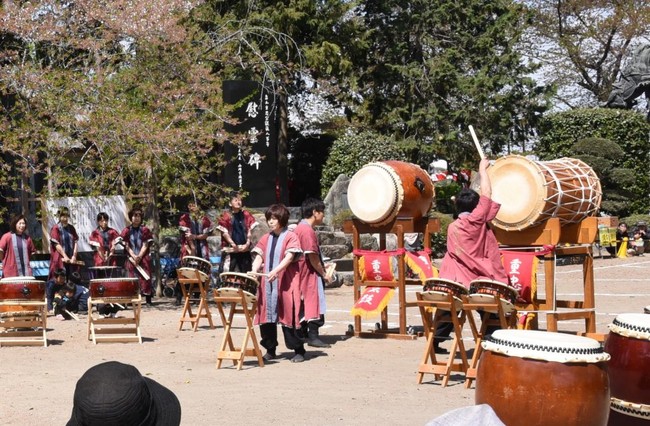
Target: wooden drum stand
[
  {"x": 570, "y": 240},
  {"x": 188, "y": 287},
  {"x": 399, "y": 227}
]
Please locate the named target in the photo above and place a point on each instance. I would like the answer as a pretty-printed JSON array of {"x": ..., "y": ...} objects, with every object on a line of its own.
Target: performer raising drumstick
[
  {"x": 472, "y": 248},
  {"x": 63, "y": 245},
  {"x": 16, "y": 248},
  {"x": 102, "y": 240}
]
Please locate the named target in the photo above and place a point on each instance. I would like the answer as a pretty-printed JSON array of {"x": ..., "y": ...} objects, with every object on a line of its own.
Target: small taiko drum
[
  {"x": 531, "y": 192},
  {"x": 379, "y": 192},
  {"x": 20, "y": 289},
  {"x": 628, "y": 343},
  {"x": 231, "y": 282},
  {"x": 104, "y": 288},
  {"x": 190, "y": 265},
  {"x": 439, "y": 290},
  {"x": 483, "y": 291},
  {"x": 532, "y": 377}
]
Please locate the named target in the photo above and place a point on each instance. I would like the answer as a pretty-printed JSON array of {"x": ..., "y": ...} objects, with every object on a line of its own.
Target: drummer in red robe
[
  {"x": 102, "y": 240},
  {"x": 195, "y": 229},
  {"x": 278, "y": 296},
  {"x": 472, "y": 248},
  {"x": 312, "y": 271},
  {"x": 16, "y": 249},
  {"x": 63, "y": 245},
  {"x": 137, "y": 239}
]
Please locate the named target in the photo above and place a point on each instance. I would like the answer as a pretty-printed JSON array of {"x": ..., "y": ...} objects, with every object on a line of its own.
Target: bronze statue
[{"x": 634, "y": 81}]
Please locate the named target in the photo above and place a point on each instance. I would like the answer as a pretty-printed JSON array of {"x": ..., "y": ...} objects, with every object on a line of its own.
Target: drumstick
[
  {"x": 329, "y": 271},
  {"x": 73, "y": 316},
  {"x": 142, "y": 272},
  {"x": 476, "y": 143},
  {"x": 257, "y": 274}
]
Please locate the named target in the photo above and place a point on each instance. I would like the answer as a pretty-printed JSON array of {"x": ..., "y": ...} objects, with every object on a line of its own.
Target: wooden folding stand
[
  {"x": 240, "y": 302},
  {"x": 485, "y": 305},
  {"x": 23, "y": 322},
  {"x": 115, "y": 329},
  {"x": 428, "y": 302},
  {"x": 189, "y": 286}
]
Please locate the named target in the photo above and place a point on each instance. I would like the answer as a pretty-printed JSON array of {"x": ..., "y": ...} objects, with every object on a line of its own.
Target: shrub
[{"x": 354, "y": 150}]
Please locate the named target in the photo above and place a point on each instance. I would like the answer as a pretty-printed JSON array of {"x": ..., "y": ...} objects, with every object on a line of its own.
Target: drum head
[
  {"x": 191, "y": 273},
  {"x": 545, "y": 346},
  {"x": 374, "y": 193},
  {"x": 636, "y": 326},
  {"x": 520, "y": 188}
]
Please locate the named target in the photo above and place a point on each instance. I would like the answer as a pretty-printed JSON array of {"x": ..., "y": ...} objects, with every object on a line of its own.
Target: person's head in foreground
[{"x": 113, "y": 393}]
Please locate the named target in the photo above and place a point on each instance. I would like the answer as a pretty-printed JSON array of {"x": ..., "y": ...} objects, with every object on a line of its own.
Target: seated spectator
[{"x": 116, "y": 394}]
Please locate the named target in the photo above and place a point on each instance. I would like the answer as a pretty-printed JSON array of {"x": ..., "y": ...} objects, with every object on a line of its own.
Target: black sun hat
[{"x": 113, "y": 393}]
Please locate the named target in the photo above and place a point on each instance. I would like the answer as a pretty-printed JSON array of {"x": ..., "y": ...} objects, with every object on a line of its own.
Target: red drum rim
[
  {"x": 545, "y": 346},
  {"x": 21, "y": 280}
]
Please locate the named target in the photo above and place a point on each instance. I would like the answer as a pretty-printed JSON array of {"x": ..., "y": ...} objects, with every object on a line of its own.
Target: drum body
[
  {"x": 539, "y": 378},
  {"x": 235, "y": 281},
  {"x": 20, "y": 289},
  {"x": 531, "y": 192},
  {"x": 483, "y": 290},
  {"x": 628, "y": 343},
  {"x": 114, "y": 288},
  {"x": 379, "y": 192},
  {"x": 190, "y": 264}
]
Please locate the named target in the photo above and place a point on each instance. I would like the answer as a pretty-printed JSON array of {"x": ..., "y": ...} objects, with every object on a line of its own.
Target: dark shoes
[
  {"x": 317, "y": 343},
  {"x": 268, "y": 356},
  {"x": 298, "y": 358},
  {"x": 440, "y": 350}
]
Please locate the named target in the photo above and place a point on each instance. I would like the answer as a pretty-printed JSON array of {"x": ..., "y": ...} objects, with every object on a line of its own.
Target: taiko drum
[
  {"x": 114, "y": 287},
  {"x": 531, "y": 192},
  {"x": 534, "y": 377},
  {"x": 20, "y": 289},
  {"x": 628, "y": 343},
  {"x": 382, "y": 191}
]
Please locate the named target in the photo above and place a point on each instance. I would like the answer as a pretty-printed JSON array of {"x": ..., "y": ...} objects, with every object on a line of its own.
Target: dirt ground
[{"x": 357, "y": 381}]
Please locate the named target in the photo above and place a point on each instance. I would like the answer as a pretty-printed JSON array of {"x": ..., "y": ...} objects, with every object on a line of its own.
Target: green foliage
[
  {"x": 432, "y": 68},
  {"x": 634, "y": 219},
  {"x": 439, "y": 239},
  {"x": 572, "y": 133},
  {"x": 340, "y": 217},
  {"x": 446, "y": 189},
  {"x": 352, "y": 151}
]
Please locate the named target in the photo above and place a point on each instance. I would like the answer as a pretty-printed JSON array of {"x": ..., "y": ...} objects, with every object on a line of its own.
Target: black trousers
[{"x": 269, "y": 338}]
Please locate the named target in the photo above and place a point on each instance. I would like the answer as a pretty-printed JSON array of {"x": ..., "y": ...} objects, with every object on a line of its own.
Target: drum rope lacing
[
  {"x": 588, "y": 203},
  {"x": 630, "y": 408},
  {"x": 632, "y": 327},
  {"x": 545, "y": 348}
]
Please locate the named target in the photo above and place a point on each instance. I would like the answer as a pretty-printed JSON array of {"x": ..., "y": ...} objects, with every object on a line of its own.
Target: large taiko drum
[
  {"x": 531, "y": 192},
  {"x": 628, "y": 343},
  {"x": 533, "y": 377},
  {"x": 20, "y": 289},
  {"x": 114, "y": 288},
  {"x": 190, "y": 265},
  {"x": 379, "y": 192}
]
